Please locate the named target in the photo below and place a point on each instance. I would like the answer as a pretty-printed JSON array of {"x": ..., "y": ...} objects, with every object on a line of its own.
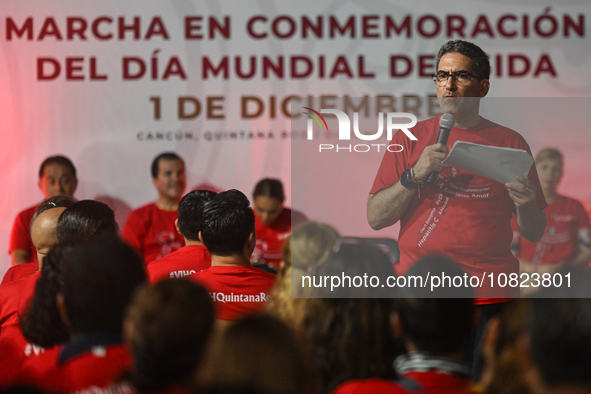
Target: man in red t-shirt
[
  {"x": 194, "y": 256},
  {"x": 57, "y": 177},
  {"x": 566, "y": 238},
  {"x": 227, "y": 230},
  {"x": 462, "y": 215},
  {"x": 150, "y": 229}
]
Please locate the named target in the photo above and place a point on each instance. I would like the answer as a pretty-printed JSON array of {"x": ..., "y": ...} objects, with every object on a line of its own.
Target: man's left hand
[{"x": 521, "y": 193}]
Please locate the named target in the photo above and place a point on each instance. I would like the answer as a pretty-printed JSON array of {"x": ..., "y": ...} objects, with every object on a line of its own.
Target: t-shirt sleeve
[
  {"x": 393, "y": 163},
  {"x": 20, "y": 238}
]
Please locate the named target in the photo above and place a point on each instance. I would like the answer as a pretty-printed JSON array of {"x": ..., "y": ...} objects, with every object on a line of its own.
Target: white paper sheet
[{"x": 492, "y": 162}]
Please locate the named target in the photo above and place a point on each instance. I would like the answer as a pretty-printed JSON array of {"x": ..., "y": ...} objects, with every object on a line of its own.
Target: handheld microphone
[{"x": 446, "y": 123}]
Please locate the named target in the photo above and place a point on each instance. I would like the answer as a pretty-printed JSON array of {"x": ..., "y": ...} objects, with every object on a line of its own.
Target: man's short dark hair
[
  {"x": 61, "y": 160},
  {"x": 163, "y": 156},
  {"x": 190, "y": 212},
  {"x": 86, "y": 219},
  {"x": 99, "y": 283},
  {"x": 269, "y": 188},
  {"x": 227, "y": 222},
  {"x": 480, "y": 60},
  {"x": 439, "y": 324}
]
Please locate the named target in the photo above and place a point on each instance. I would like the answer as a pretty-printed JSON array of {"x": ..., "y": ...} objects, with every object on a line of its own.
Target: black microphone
[{"x": 446, "y": 123}]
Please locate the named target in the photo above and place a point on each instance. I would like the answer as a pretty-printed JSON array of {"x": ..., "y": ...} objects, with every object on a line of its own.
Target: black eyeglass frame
[{"x": 454, "y": 76}]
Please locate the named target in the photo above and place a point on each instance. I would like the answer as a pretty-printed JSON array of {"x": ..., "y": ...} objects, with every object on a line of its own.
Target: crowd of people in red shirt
[{"x": 200, "y": 292}]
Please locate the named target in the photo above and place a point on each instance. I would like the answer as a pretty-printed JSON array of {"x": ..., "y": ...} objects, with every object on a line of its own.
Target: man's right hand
[{"x": 429, "y": 161}]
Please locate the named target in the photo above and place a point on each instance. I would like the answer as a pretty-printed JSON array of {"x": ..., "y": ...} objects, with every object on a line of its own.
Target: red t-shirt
[
  {"x": 560, "y": 243},
  {"x": 185, "y": 261},
  {"x": 94, "y": 366},
  {"x": 236, "y": 290},
  {"x": 15, "y": 297},
  {"x": 19, "y": 271},
  {"x": 420, "y": 382},
  {"x": 20, "y": 236},
  {"x": 271, "y": 238},
  {"x": 15, "y": 351},
  {"x": 466, "y": 217},
  {"x": 150, "y": 230}
]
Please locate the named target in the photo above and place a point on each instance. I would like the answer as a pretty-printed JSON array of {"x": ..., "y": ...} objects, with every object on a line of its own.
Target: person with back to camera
[
  {"x": 566, "y": 238},
  {"x": 150, "y": 229},
  {"x": 194, "y": 256},
  {"x": 273, "y": 223},
  {"x": 98, "y": 284},
  {"x": 227, "y": 230},
  {"x": 435, "y": 328},
  {"x": 57, "y": 177}
]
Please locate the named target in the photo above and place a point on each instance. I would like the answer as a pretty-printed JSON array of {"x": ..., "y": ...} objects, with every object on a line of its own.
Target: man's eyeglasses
[{"x": 460, "y": 77}]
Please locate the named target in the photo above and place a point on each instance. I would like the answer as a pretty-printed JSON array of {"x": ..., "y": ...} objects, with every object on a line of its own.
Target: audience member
[
  {"x": 350, "y": 338},
  {"x": 436, "y": 334},
  {"x": 308, "y": 246},
  {"x": 566, "y": 239},
  {"x": 98, "y": 285},
  {"x": 194, "y": 256},
  {"x": 41, "y": 327},
  {"x": 503, "y": 372},
  {"x": 260, "y": 353},
  {"x": 22, "y": 270},
  {"x": 557, "y": 354},
  {"x": 150, "y": 229},
  {"x": 227, "y": 230},
  {"x": 167, "y": 328},
  {"x": 273, "y": 223},
  {"x": 57, "y": 177}
]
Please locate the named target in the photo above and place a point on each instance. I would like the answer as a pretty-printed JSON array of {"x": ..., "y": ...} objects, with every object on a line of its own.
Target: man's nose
[{"x": 450, "y": 83}]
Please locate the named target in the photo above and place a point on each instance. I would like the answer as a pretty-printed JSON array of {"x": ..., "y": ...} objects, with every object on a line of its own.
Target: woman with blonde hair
[{"x": 309, "y": 245}]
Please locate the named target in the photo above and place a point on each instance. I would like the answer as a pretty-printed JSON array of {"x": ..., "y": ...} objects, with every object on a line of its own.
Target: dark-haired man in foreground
[
  {"x": 227, "y": 230},
  {"x": 150, "y": 229},
  {"x": 194, "y": 256}
]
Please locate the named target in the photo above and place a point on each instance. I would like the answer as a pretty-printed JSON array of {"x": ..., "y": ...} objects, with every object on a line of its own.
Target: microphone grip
[{"x": 441, "y": 139}]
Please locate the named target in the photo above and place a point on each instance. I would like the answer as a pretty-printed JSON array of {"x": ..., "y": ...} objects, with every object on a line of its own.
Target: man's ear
[
  {"x": 201, "y": 237},
  {"x": 61, "y": 307},
  {"x": 250, "y": 244},
  {"x": 176, "y": 225},
  {"x": 484, "y": 87}
]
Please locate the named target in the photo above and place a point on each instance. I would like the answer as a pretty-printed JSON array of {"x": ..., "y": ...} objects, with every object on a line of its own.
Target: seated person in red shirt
[
  {"x": 227, "y": 230},
  {"x": 566, "y": 239},
  {"x": 98, "y": 285},
  {"x": 436, "y": 333},
  {"x": 150, "y": 229},
  {"x": 57, "y": 177},
  {"x": 43, "y": 239},
  {"x": 194, "y": 256},
  {"x": 273, "y": 223},
  {"x": 39, "y": 318}
]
